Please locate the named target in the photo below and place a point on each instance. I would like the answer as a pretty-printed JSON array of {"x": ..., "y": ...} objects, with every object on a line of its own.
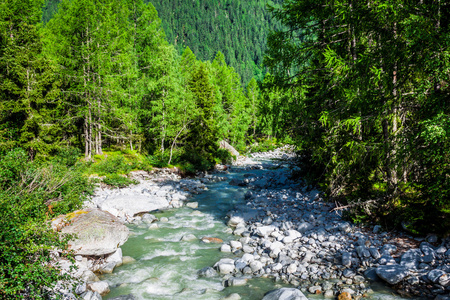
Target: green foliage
[
  {"x": 223, "y": 156},
  {"x": 113, "y": 164},
  {"x": 119, "y": 181},
  {"x": 366, "y": 85},
  {"x": 28, "y": 87},
  {"x": 29, "y": 194},
  {"x": 264, "y": 145},
  {"x": 238, "y": 29}
]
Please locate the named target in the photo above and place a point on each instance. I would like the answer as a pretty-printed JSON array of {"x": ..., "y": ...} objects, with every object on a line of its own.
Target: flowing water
[{"x": 166, "y": 267}]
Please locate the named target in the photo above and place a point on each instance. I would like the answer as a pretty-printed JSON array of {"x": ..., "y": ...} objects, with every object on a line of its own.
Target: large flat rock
[
  {"x": 392, "y": 274},
  {"x": 133, "y": 204},
  {"x": 285, "y": 294},
  {"x": 98, "y": 232}
]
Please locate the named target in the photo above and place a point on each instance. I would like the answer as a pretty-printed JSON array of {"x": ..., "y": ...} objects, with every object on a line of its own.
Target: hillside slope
[{"x": 236, "y": 28}]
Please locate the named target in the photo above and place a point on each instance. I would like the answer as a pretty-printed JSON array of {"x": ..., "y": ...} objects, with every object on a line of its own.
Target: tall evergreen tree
[
  {"x": 202, "y": 140},
  {"x": 90, "y": 40},
  {"x": 28, "y": 89}
]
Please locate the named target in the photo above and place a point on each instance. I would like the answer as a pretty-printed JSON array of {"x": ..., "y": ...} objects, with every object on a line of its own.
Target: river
[{"x": 167, "y": 266}]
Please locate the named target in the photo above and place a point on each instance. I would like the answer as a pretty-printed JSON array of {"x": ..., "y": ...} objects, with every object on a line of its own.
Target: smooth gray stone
[
  {"x": 149, "y": 218},
  {"x": 434, "y": 275},
  {"x": 349, "y": 273},
  {"x": 388, "y": 248},
  {"x": 441, "y": 250},
  {"x": 346, "y": 259},
  {"x": 375, "y": 253},
  {"x": 97, "y": 233},
  {"x": 362, "y": 251},
  {"x": 386, "y": 259},
  {"x": 81, "y": 288},
  {"x": 236, "y": 281},
  {"x": 427, "y": 249},
  {"x": 427, "y": 258},
  {"x": 410, "y": 259},
  {"x": 392, "y": 274},
  {"x": 285, "y": 294},
  {"x": 444, "y": 280},
  {"x": 207, "y": 272}
]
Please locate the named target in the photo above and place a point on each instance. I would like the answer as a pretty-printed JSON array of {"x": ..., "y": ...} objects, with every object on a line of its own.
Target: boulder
[
  {"x": 98, "y": 233},
  {"x": 89, "y": 295},
  {"x": 237, "y": 281},
  {"x": 434, "y": 275},
  {"x": 285, "y": 294},
  {"x": 346, "y": 259},
  {"x": 149, "y": 218},
  {"x": 225, "y": 266},
  {"x": 115, "y": 258},
  {"x": 264, "y": 231},
  {"x": 410, "y": 259},
  {"x": 392, "y": 274},
  {"x": 188, "y": 238},
  {"x": 133, "y": 204},
  {"x": 193, "y": 205},
  {"x": 101, "y": 287}
]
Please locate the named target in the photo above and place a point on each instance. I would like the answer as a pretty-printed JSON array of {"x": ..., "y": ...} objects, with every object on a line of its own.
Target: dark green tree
[
  {"x": 202, "y": 139},
  {"x": 28, "y": 88}
]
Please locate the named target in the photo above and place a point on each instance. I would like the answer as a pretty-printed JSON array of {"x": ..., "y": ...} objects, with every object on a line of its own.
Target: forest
[
  {"x": 361, "y": 89},
  {"x": 238, "y": 29}
]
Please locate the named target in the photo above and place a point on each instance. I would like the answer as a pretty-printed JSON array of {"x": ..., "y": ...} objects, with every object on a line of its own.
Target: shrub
[
  {"x": 112, "y": 164},
  {"x": 27, "y": 189},
  {"x": 119, "y": 181}
]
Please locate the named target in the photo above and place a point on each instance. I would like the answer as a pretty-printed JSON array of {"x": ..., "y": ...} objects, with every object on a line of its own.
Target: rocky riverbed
[
  {"x": 288, "y": 233},
  {"x": 282, "y": 230}
]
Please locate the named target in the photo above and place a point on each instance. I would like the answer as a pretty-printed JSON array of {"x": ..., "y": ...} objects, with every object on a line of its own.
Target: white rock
[
  {"x": 115, "y": 258},
  {"x": 264, "y": 231},
  {"x": 276, "y": 245},
  {"x": 226, "y": 268},
  {"x": 292, "y": 268},
  {"x": 193, "y": 205},
  {"x": 225, "y": 248},
  {"x": 256, "y": 266},
  {"x": 133, "y": 204},
  {"x": 235, "y": 220},
  {"x": 101, "y": 287},
  {"x": 285, "y": 294},
  {"x": 235, "y": 245}
]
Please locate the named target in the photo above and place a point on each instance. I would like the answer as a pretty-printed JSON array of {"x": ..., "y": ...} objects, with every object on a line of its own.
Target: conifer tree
[
  {"x": 202, "y": 140},
  {"x": 28, "y": 89},
  {"x": 91, "y": 42}
]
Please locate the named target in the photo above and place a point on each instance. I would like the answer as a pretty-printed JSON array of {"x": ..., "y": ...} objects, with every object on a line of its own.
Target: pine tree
[
  {"x": 91, "y": 41},
  {"x": 202, "y": 140},
  {"x": 28, "y": 89}
]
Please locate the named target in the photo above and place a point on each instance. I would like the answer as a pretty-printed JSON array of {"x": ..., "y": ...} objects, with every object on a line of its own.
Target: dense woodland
[
  {"x": 361, "y": 89},
  {"x": 238, "y": 29},
  {"x": 367, "y": 85}
]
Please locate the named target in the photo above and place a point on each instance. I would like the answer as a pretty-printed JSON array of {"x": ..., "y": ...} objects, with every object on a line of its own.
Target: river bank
[{"x": 277, "y": 231}]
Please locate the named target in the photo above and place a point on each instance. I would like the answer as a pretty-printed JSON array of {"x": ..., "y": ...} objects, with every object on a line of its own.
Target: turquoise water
[{"x": 166, "y": 267}]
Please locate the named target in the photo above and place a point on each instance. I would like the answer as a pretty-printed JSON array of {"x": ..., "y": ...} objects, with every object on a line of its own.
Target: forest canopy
[{"x": 370, "y": 91}]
